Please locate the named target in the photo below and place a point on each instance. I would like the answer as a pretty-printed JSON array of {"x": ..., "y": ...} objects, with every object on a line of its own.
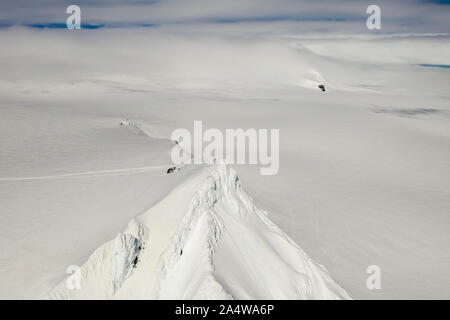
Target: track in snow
[{"x": 90, "y": 174}]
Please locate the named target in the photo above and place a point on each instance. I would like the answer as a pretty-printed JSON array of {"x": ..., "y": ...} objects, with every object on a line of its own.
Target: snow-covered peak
[{"x": 205, "y": 240}]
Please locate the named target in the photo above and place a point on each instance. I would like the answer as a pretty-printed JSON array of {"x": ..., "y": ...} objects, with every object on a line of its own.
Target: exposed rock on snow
[
  {"x": 125, "y": 123},
  {"x": 172, "y": 169},
  {"x": 205, "y": 240}
]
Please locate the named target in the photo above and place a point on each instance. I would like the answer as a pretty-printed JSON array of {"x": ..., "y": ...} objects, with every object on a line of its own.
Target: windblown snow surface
[
  {"x": 364, "y": 179},
  {"x": 205, "y": 240}
]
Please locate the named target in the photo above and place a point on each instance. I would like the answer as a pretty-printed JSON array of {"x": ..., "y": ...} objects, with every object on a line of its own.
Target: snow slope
[
  {"x": 364, "y": 173},
  {"x": 205, "y": 240}
]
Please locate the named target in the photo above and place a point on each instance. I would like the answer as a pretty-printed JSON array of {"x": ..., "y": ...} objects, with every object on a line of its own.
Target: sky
[{"x": 252, "y": 16}]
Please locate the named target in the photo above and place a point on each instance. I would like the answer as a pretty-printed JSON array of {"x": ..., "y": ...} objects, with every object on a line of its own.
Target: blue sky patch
[{"x": 444, "y": 66}]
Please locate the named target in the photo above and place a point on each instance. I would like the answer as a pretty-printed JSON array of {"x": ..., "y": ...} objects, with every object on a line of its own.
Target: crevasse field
[{"x": 364, "y": 178}]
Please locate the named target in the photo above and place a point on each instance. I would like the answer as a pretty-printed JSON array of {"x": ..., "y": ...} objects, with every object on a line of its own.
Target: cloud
[
  {"x": 202, "y": 44},
  {"x": 297, "y": 16}
]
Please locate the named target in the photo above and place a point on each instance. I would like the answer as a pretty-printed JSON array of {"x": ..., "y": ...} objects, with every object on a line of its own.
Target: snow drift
[{"x": 205, "y": 240}]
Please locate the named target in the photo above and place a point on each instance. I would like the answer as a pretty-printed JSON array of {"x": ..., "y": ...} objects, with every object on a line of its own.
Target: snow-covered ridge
[{"x": 205, "y": 240}]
